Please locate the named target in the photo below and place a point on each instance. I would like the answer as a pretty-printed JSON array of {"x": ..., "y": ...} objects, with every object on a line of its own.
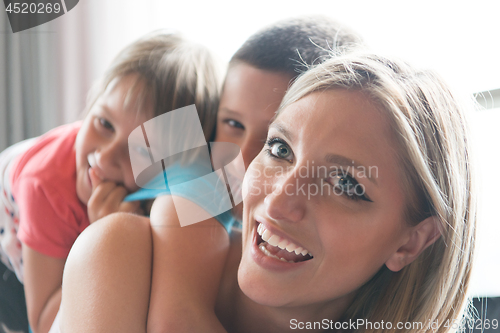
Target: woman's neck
[
  {"x": 240, "y": 314},
  {"x": 253, "y": 317}
]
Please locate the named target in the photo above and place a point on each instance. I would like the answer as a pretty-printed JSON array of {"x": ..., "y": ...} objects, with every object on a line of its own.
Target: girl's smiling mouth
[{"x": 274, "y": 246}]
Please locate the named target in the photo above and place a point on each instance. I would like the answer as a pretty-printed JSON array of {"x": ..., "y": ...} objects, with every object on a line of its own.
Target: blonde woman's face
[{"x": 324, "y": 204}]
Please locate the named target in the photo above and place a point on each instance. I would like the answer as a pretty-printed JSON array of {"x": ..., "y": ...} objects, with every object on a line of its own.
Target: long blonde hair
[{"x": 429, "y": 123}]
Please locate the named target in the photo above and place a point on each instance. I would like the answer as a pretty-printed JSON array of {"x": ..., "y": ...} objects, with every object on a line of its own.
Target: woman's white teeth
[
  {"x": 266, "y": 235},
  {"x": 291, "y": 247},
  {"x": 276, "y": 240},
  {"x": 282, "y": 245},
  {"x": 262, "y": 247}
]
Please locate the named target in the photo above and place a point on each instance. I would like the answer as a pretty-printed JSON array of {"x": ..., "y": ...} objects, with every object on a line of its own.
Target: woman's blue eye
[
  {"x": 348, "y": 186},
  {"x": 279, "y": 149},
  {"x": 345, "y": 184}
]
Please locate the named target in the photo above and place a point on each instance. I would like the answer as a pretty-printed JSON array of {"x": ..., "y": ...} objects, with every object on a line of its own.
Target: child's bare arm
[
  {"x": 187, "y": 267},
  {"x": 42, "y": 285}
]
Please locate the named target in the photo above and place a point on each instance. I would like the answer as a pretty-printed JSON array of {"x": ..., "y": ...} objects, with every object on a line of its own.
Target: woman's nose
[{"x": 287, "y": 200}]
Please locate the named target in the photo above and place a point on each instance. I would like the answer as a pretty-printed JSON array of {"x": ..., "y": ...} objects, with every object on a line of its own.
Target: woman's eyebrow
[
  {"x": 280, "y": 128},
  {"x": 350, "y": 163}
]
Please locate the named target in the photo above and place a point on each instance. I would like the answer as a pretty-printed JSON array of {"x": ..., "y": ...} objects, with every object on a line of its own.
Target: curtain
[{"x": 43, "y": 76}]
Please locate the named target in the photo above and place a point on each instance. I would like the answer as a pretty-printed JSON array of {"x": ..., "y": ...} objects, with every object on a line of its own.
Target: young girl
[
  {"x": 377, "y": 235},
  {"x": 80, "y": 172}
]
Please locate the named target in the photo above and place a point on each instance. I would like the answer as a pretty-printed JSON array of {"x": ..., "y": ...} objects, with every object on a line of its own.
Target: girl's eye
[
  {"x": 348, "y": 186},
  {"x": 277, "y": 148},
  {"x": 234, "y": 123},
  {"x": 105, "y": 124}
]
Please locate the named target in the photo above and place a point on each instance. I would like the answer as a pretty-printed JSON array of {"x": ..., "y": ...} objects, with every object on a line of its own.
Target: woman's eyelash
[
  {"x": 270, "y": 143},
  {"x": 271, "y": 140},
  {"x": 348, "y": 186},
  {"x": 358, "y": 194}
]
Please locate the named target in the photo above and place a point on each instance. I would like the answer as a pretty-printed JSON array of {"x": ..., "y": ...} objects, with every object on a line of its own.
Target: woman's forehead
[{"x": 335, "y": 111}]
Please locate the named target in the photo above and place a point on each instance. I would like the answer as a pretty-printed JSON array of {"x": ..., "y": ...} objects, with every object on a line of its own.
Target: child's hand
[{"x": 107, "y": 198}]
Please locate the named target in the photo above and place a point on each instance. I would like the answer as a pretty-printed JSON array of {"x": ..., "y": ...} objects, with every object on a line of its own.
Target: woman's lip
[{"x": 269, "y": 262}]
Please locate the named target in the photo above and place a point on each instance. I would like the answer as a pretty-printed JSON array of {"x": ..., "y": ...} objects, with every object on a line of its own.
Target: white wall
[
  {"x": 486, "y": 271},
  {"x": 458, "y": 38}
]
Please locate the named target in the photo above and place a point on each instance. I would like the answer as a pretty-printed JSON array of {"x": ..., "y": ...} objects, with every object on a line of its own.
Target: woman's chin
[
  {"x": 261, "y": 289},
  {"x": 259, "y": 293}
]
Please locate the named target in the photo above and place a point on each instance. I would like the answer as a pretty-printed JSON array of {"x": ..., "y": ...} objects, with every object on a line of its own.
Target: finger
[
  {"x": 94, "y": 179},
  {"x": 101, "y": 192},
  {"x": 105, "y": 200},
  {"x": 116, "y": 196}
]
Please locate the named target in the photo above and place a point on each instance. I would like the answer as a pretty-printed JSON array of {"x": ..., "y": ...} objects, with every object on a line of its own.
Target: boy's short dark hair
[{"x": 291, "y": 45}]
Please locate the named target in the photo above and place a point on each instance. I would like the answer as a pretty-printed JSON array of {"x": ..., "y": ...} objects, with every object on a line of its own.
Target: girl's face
[
  {"x": 325, "y": 186},
  {"x": 102, "y": 142},
  {"x": 250, "y": 99}
]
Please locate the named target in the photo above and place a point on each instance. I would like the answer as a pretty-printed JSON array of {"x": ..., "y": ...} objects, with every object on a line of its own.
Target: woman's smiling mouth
[{"x": 280, "y": 248}]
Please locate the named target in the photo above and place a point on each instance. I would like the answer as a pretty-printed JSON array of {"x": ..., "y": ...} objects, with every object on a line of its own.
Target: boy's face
[
  {"x": 249, "y": 100},
  {"x": 102, "y": 142}
]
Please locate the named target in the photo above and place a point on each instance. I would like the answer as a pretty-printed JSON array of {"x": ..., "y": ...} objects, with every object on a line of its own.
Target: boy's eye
[
  {"x": 234, "y": 123},
  {"x": 277, "y": 148}
]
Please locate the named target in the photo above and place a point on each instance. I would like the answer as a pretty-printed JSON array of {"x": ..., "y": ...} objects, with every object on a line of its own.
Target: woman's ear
[{"x": 421, "y": 236}]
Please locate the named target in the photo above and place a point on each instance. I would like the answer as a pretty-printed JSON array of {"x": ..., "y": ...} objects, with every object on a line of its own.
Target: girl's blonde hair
[
  {"x": 170, "y": 73},
  {"x": 430, "y": 127}
]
